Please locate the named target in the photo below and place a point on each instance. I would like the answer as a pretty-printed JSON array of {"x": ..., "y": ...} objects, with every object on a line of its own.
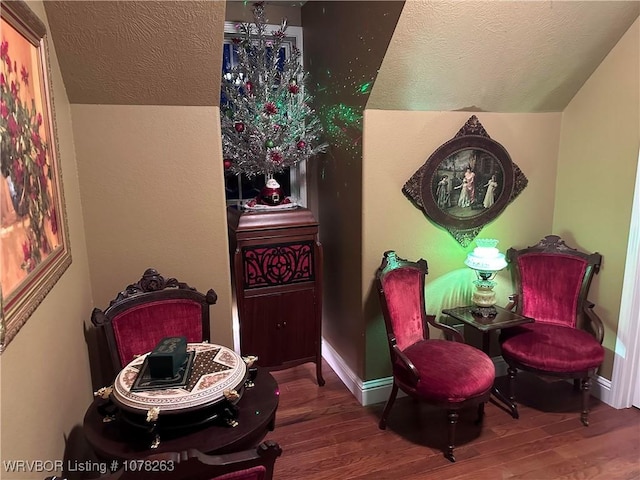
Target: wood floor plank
[{"x": 326, "y": 434}]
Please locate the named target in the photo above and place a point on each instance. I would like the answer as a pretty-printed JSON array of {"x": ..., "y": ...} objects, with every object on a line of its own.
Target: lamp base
[
  {"x": 484, "y": 312},
  {"x": 483, "y": 295}
]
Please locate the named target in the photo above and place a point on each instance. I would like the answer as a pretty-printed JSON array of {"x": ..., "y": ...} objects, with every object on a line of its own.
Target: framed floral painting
[{"x": 34, "y": 239}]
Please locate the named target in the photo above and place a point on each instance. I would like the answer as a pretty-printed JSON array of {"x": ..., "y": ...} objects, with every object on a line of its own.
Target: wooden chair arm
[
  {"x": 450, "y": 333},
  {"x": 409, "y": 367},
  {"x": 514, "y": 299},
  {"x": 595, "y": 323}
]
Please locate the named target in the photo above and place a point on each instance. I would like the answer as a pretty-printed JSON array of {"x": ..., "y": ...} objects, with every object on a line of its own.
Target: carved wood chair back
[
  {"x": 553, "y": 281},
  {"x": 401, "y": 287},
  {"x": 149, "y": 310}
]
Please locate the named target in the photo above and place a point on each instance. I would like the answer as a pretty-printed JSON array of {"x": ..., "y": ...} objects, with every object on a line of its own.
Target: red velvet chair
[
  {"x": 449, "y": 374},
  {"x": 149, "y": 310},
  {"x": 552, "y": 282}
]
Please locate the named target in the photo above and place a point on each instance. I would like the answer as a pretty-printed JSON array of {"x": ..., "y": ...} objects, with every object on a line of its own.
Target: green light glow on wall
[
  {"x": 343, "y": 124},
  {"x": 365, "y": 88}
]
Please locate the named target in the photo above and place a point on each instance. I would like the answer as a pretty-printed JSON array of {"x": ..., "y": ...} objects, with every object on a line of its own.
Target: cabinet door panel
[
  {"x": 280, "y": 327},
  {"x": 299, "y": 333},
  {"x": 258, "y": 333}
]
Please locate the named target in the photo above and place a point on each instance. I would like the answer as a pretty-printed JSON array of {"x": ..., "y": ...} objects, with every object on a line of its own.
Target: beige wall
[
  {"x": 153, "y": 196},
  {"x": 396, "y": 144},
  {"x": 45, "y": 375},
  {"x": 596, "y": 173}
]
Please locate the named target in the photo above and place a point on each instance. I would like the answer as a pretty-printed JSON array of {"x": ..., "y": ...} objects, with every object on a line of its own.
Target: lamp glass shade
[{"x": 486, "y": 257}]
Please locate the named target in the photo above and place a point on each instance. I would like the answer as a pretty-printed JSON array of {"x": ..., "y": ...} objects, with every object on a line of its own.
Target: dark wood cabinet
[{"x": 276, "y": 268}]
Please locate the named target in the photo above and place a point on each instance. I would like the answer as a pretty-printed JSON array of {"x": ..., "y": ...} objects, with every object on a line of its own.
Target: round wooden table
[{"x": 256, "y": 416}]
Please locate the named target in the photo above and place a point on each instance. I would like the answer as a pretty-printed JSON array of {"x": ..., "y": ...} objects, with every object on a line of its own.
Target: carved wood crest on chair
[
  {"x": 552, "y": 283},
  {"x": 448, "y": 374},
  {"x": 153, "y": 308}
]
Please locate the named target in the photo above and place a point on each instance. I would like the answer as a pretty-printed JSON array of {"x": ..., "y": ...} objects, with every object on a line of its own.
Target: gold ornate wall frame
[
  {"x": 34, "y": 236},
  {"x": 466, "y": 183}
]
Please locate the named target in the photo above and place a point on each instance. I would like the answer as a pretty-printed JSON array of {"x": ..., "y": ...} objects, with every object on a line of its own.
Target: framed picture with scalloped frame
[{"x": 466, "y": 183}]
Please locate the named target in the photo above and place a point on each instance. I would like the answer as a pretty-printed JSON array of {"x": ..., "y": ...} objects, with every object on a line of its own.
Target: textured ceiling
[
  {"x": 498, "y": 56},
  {"x": 501, "y": 56},
  {"x": 139, "y": 52}
]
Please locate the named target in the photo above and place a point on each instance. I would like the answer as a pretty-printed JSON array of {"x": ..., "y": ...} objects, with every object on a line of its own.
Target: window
[{"x": 240, "y": 188}]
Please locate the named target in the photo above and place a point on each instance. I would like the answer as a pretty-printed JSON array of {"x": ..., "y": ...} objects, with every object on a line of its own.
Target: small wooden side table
[{"x": 503, "y": 319}]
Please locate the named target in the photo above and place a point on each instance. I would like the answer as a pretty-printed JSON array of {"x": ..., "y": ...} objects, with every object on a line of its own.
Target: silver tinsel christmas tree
[{"x": 267, "y": 122}]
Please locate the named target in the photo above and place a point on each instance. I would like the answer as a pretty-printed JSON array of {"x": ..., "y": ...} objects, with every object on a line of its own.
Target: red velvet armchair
[
  {"x": 449, "y": 374},
  {"x": 552, "y": 282},
  {"x": 149, "y": 310}
]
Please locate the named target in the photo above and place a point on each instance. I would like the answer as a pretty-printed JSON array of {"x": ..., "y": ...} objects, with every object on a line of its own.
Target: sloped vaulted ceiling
[
  {"x": 487, "y": 55},
  {"x": 498, "y": 56},
  {"x": 139, "y": 52}
]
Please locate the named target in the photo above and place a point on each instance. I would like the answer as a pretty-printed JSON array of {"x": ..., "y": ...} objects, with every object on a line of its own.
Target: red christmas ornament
[
  {"x": 276, "y": 157},
  {"x": 270, "y": 108},
  {"x": 293, "y": 88},
  {"x": 301, "y": 145},
  {"x": 239, "y": 126},
  {"x": 227, "y": 163},
  {"x": 249, "y": 86}
]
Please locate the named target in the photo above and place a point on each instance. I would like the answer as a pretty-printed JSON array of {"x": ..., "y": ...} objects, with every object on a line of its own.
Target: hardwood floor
[{"x": 326, "y": 434}]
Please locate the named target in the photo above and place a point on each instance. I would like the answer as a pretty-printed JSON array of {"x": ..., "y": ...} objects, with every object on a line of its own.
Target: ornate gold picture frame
[{"x": 34, "y": 238}]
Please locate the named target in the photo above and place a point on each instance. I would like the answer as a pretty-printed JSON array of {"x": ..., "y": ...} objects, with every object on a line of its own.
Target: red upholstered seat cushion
[
  {"x": 552, "y": 348},
  {"x": 138, "y": 330},
  {"x": 450, "y": 371},
  {"x": 254, "y": 473}
]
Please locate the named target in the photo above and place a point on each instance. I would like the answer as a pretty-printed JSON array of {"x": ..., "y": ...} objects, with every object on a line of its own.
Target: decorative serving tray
[{"x": 215, "y": 369}]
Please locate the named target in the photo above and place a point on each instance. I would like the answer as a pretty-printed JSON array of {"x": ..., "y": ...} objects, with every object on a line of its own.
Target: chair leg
[
  {"x": 387, "y": 408},
  {"x": 512, "y": 372},
  {"x": 480, "y": 413},
  {"x": 452, "y": 416},
  {"x": 585, "y": 385}
]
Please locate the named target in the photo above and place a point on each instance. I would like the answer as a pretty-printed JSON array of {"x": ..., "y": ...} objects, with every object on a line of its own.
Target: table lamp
[{"x": 487, "y": 261}]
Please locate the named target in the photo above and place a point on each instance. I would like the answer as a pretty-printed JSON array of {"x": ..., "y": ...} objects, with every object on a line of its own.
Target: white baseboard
[
  {"x": 367, "y": 393},
  {"x": 375, "y": 391},
  {"x": 601, "y": 389}
]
